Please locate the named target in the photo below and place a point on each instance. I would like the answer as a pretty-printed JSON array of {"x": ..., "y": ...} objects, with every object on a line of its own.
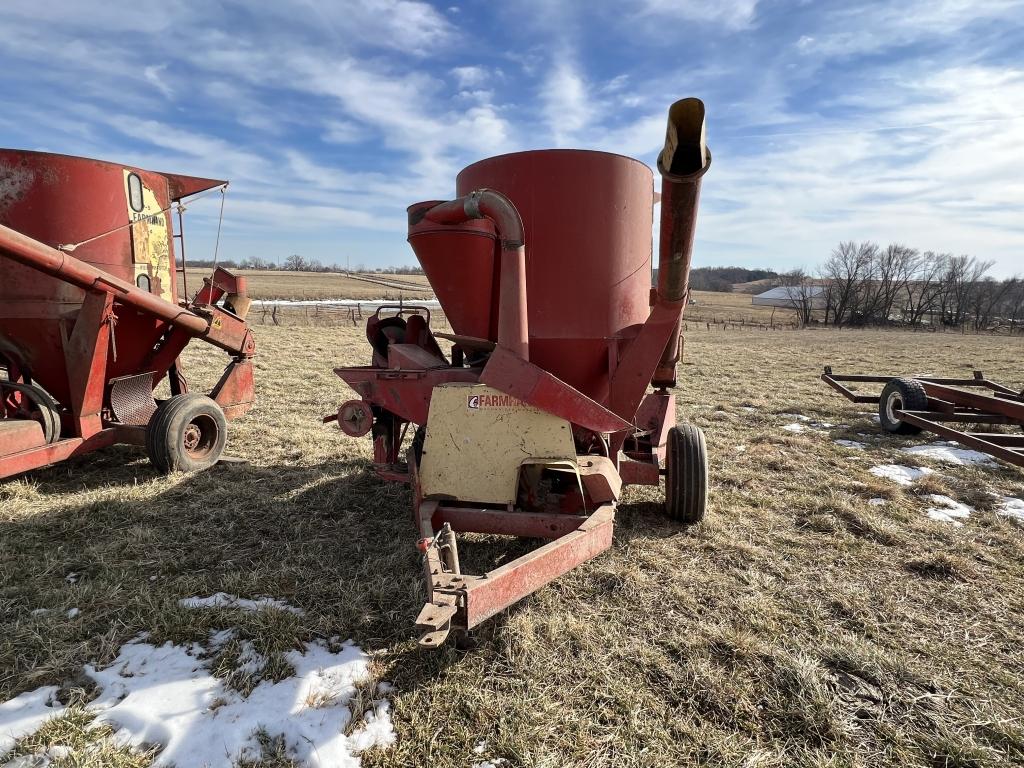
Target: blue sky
[{"x": 893, "y": 121}]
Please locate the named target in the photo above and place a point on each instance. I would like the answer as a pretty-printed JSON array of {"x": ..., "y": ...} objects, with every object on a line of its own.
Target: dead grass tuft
[{"x": 941, "y": 566}]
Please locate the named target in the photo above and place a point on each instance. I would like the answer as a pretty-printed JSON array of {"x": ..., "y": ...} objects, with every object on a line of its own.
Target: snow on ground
[
  {"x": 1011, "y": 507},
  {"x": 167, "y": 696},
  {"x": 948, "y": 510},
  {"x": 900, "y": 474},
  {"x": 224, "y": 600},
  {"x": 948, "y": 453},
  {"x": 24, "y": 714},
  {"x": 410, "y": 300},
  {"x": 877, "y": 502},
  {"x": 495, "y": 763},
  {"x": 795, "y": 427},
  {"x": 855, "y": 445}
]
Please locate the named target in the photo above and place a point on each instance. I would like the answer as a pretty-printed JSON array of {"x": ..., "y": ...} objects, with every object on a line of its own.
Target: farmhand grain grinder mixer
[
  {"x": 542, "y": 265},
  {"x": 90, "y": 321}
]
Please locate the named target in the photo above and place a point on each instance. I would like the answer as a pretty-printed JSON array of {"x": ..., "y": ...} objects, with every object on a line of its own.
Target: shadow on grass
[{"x": 123, "y": 544}]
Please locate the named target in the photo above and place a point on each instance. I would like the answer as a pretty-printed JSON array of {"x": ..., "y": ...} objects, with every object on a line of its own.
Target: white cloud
[
  {"x": 155, "y": 76},
  {"x": 343, "y": 132},
  {"x": 567, "y": 106},
  {"x": 730, "y": 13},
  {"x": 470, "y": 77}
]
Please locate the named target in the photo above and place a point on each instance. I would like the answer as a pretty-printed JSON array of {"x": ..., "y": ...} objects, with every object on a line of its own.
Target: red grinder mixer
[
  {"x": 542, "y": 410},
  {"x": 90, "y": 321}
]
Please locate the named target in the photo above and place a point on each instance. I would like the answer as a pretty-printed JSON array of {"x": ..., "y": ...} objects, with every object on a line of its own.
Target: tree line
[
  {"x": 297, "y": 263},
  {"x": 863, "y": 284}
]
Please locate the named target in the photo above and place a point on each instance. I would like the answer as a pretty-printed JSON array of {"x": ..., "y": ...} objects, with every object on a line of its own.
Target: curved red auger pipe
[{"x": 513, "y": 325}]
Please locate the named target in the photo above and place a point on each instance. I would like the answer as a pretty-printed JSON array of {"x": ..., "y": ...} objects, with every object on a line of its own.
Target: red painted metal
[
  {"x": 500, "y": 588},
  {"x": 542, "y": 264},
  {"x": 533, "y": 385},
  {"x": 73, "y": 315}
]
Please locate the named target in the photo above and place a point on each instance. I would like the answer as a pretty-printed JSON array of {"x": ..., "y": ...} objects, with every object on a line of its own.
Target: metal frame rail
[{"x": 950, "y": 400}]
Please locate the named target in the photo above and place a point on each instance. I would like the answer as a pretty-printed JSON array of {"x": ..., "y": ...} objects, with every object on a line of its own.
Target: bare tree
[{"x": 803, "y": 293}]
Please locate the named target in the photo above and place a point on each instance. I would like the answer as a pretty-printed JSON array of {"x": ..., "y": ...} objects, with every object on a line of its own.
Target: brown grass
[
  {"x": 797, "y": 626},
  {"x": 274, "y": 284}
]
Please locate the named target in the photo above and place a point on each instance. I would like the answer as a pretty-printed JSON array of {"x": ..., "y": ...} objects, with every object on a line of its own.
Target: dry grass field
[
  {"x": 733, "y": 308},
  {"x": 273, "y": 284},
  {"x": 799, "y": 625}
]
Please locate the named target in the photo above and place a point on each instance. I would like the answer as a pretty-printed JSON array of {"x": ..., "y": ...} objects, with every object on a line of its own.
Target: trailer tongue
[{"x": 541, "y": 413}]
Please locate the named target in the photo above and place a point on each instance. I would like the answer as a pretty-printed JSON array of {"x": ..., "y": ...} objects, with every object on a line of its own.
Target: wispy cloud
[{"x": 890, "y": 120}]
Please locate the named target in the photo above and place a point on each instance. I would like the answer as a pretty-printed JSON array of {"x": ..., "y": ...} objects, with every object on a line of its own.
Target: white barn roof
[{"x": 791, "y": 297}]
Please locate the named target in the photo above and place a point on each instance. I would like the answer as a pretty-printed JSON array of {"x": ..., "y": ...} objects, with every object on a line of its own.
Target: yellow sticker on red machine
[{"x": 151, "y": 250}]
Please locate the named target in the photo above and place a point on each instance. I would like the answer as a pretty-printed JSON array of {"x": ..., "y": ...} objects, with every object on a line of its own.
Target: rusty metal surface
[
  {"x": 976, "y": 400},
  {"x": 131, "y": 399},
  {"x": 534, "y": 385},
  {"x": 88, "y": 304},
  {"x": 587, "y": 220}
]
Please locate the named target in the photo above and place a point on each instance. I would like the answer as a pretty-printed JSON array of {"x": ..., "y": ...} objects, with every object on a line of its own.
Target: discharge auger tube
[{"x": 682, "y": 163}]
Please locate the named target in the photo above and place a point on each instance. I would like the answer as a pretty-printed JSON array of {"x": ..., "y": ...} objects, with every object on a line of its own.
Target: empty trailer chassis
[{"x": 951, "y": 401}]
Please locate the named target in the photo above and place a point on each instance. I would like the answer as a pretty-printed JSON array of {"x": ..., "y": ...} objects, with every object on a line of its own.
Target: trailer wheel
[
  {"x": 901, "y": 394},
  {"x": 31, "y": 402},
  {"x": 686, "y": 476},
  {"x": 187, "y": 433}
]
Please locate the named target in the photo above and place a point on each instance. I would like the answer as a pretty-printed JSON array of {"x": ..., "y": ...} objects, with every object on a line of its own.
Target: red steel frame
[
  {"x": 87, "y": 348},
  {"x": 950, "y": 400}
]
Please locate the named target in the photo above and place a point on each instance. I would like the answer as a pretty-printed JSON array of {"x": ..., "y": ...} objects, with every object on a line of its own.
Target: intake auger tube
[
  {"x": 682, "y": 163},
  {"x": 513, "y": 328},
  {"x": 39, "y": 256}
]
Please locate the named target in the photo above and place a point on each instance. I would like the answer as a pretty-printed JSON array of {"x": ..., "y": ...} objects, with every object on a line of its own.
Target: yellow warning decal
[{"x": 151, "y": 252}]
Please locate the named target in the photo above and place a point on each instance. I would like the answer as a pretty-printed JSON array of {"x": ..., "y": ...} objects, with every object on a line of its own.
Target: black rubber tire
[
  {"x": 904, "y": 394},
  {"x": 45, "y": 406},
  {"x": 686, "y": 474},
  {"x": 187, "y": 433}
]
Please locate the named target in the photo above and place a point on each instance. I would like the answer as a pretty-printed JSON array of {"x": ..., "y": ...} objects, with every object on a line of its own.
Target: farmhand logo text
[{"x": 480, "y": 402}]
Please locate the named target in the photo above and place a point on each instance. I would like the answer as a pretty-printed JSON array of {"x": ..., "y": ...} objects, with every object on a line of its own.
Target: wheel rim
[
  {"x": 200, "y": 437},
  {"x": 892, "y": 403}
]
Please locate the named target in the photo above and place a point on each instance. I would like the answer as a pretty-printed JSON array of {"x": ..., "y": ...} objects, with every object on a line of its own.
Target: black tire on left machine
[
  {"x": 187, "y": 433},
  {"x": 39, "y": 406}
]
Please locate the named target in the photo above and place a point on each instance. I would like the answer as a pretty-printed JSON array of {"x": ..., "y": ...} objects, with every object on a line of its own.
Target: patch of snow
[
  {"x": 900, "y": 474},
  {"x": 877, "y": 502},
  {"x": 795, "y": 428},
  {"x": 480, "y": 748},
  {"x": 946, "y": 453},
  {"x": 73, "y": 613},
  {"x": 23, "y": 715},
  {"x": 741, "y": 449},
  {"x": 1011, "y": 507},
  {"x": 73, "y": 577},
  {"x": 851, "y": 444},
  {"x": 224, "y": 600},
  {"x": 747, "y": 408},
  {"x": 167, "y": 696},
  {"x": 251, "y": 661},
  {"x": 948, "y": 510},
  {"x": 495, "y": 763},
  {"x": 39, "y": 611}
]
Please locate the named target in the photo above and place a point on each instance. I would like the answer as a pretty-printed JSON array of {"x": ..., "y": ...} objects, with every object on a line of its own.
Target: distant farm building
[{"x": 792, "y": 297}]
